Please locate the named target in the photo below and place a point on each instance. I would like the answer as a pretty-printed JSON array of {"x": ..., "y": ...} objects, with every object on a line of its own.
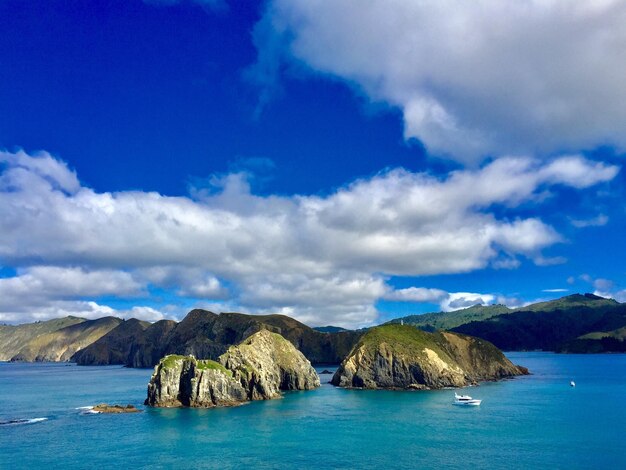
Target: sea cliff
[
  {"x": 404, "y": 357},
  {"x": 258, "y": 368}
]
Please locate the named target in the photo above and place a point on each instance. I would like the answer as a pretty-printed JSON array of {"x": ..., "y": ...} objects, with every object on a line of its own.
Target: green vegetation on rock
[
  {"x": 170, "y": 360},
  {"x": 257, "y": 369},
  {"x": 402, "y": 356},
  {"x": 208, "y": 364}
]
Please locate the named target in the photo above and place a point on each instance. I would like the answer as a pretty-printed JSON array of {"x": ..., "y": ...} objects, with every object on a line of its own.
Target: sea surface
[{"x": 538, "y": 421}]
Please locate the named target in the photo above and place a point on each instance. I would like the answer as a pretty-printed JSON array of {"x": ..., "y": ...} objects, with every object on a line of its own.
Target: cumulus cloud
[
  {"x": 323, "y": 259},
  {"x": 190, "y": 281},
  {"x": 459, "y": 300},
  {"x": 606, "y": 288},
  {"x": 471, "y": 78},
  {"x": 28, "y": 311},
  {"x": 416, "y": 294},
  {"x": 41, "y": 283},
  {"x": 44, "y": 292}
]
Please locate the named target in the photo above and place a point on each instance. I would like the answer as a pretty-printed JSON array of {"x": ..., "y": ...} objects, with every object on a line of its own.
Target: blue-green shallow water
[{"x": 531, "y": 422}]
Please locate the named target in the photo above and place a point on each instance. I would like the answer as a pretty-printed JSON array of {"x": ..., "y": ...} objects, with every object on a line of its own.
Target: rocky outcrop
[
  {"x": 403, "y": 357},
  {"x": 114, "y": 409},
  {"x": 259, "y": 368}
]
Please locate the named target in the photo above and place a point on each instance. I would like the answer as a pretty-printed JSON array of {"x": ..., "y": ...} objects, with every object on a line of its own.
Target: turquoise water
[{"x": 531, "y": 422}]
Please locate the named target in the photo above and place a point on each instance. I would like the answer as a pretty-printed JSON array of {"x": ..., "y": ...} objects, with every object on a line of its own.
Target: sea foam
[{"x": 15, "y": 422}]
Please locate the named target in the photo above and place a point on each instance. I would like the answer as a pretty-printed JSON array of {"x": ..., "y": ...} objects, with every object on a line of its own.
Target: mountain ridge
[{"x": 574, "y": 323}]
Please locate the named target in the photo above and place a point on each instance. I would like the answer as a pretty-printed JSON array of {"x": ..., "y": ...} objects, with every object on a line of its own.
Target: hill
[
  {"x": 14, "y": 337},
  {"x": 207, "y": 335},
  {"x": 113, "y": 347},
  {"x": 544, "y": 325},
  {"x": 402, "y": 356},
  {"x": 61, "y": 344},
  {"x": 550, "y": 325},
  {"x": 448, "y": 320}
]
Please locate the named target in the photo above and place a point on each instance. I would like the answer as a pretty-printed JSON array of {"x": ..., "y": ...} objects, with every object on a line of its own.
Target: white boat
[
  {"x": 572, "y": 384},
  {"x": 465, "y": 400}
]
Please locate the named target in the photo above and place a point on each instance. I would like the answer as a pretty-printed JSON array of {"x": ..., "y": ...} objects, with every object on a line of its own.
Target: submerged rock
[
  {"x": 259, "y": 368},
  {"x": 403, "y": 357}
]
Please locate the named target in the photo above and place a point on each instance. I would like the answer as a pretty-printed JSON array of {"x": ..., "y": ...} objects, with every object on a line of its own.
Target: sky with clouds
[{"x": 339, "y": 162}]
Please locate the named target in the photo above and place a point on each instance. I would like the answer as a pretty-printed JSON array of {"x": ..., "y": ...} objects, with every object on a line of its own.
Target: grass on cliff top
[
  {"x": 405, "y": 339},
  {"x": 208, "y": 364},
  {"x": 169, "y": 360},
  {"x": 202, "y": 364}
]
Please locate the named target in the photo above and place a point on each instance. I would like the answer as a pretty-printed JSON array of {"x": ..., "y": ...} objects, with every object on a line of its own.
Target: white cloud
[
  {"x": 417, "y": 294},
  {"x": 555, "y": 290},
  {"x": 325, "y": 259},
  {"x": 620, "y": 296},
  {"x": 459, "y": 300},
  {"x": 44, "y": 292},
  {"x": 29, "y": 311},
  {"x": 39, "y": 284},
  {"x": 598, "y": 221},
  {"x": 471, "y": 79},
  {"x": 603, "y": 284},
  {"x": 190, "y": 281},
  {"x": 604, "y": 287}
]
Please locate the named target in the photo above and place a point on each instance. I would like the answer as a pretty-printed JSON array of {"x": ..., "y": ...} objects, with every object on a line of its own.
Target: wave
[
  {"x": 15, "y": 422},
  {"x": 87, "y": 410}
]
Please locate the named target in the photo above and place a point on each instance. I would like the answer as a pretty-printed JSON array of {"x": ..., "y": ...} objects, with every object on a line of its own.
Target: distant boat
[
  {"x": 572, "y": 384},
  {"x": 465, "y": 400}
]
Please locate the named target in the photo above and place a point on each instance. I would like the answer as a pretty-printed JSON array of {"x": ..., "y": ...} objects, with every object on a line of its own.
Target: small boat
[
  {"x": 465, "y": 400},
  {"x": 572, "y": 384}
]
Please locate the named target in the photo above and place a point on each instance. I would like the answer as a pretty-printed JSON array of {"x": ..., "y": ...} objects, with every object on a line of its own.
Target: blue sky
[{"x": 339, "y": 163}]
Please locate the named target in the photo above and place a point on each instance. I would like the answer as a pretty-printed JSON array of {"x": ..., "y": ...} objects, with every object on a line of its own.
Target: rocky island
[
  {"x": 258, "y": 368},
  {"x": 114, "y": 409},
  {"x": 404, "y": 357}
]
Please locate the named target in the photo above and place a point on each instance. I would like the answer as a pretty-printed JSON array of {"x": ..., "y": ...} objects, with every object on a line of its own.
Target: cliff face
[
  {"x": 257, "y": 369},
  {"x": 15, "y": 337},
  {"x": 114, "y": 347},
  {"x": 61, "y": 344},
  {"x": 403, "y": 357},
  {"x": 186, "y": 381}
]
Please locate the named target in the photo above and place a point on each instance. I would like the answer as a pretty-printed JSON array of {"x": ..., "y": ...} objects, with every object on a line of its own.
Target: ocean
[{"x": 538, "y": 421}]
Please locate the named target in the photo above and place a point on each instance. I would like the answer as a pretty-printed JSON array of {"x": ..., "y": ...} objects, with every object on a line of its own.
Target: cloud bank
[
  {"x": 471, "y": 78},
  {"x": 321, "y": 259}
]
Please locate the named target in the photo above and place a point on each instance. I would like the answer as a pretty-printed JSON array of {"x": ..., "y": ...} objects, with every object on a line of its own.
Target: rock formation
[
  {"x": 259, "y": 368},
  {"x": 114, "y": 409},
  {"x": 403, "y": 357}
]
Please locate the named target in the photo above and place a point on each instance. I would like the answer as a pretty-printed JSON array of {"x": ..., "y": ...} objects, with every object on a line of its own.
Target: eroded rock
[
  {"x": 403, "y": 357},
  {"x": 259, "y": 368}
]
